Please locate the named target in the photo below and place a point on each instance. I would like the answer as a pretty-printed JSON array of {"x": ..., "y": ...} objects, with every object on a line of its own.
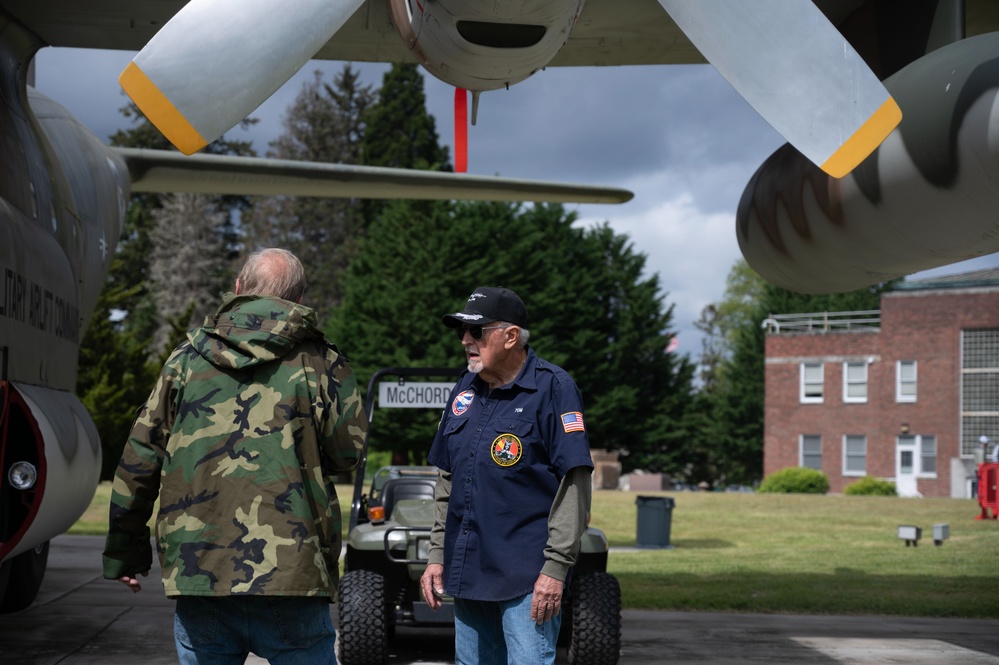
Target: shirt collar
[{"x": 525, "y": 379}]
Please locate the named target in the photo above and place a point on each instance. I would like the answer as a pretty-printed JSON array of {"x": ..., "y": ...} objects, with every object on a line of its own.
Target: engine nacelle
[
  {"x": 52, "y": 431},
  {"x": 927, "y": 197},
  {"x": 484, "y": 45}
]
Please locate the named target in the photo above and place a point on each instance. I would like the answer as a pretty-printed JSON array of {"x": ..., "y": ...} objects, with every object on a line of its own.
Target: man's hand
[
  {"x": 432, "y": 584},
  {"x": 547, "y": 600},
  {"x": 132, "y": 582}
]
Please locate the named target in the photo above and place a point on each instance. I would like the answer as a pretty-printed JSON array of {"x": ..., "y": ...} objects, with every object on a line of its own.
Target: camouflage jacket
[{"x": 239, "y": 439}]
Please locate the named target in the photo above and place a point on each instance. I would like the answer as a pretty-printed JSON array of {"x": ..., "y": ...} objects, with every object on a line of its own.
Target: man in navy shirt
[{"x": 513, "y": 493}]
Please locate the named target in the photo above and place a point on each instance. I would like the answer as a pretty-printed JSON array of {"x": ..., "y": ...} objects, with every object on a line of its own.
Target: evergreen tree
[
  {"x": 135, "y": 247},
  {"x": 386, "y": 319},
  {"x": 736, "y": 426},
  {"x": 324, "y": 124},
  {"x": 186, "y": 276},
  {"x": 114, "y": 375},
  {"x": 712, "y": 348},
  {"x": 399, "y": 132},
  {"x": 590, "y": 311}
]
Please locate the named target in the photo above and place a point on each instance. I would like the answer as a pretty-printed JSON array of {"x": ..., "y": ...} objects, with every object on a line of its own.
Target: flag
[{"x": 573, "y": 422}]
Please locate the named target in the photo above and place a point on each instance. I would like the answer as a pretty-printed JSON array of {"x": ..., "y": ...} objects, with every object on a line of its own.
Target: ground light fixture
[{"x": 910, "y": 534}]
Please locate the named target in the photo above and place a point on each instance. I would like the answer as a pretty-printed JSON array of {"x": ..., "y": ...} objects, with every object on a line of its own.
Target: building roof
[{"x": 976, "y": 279}]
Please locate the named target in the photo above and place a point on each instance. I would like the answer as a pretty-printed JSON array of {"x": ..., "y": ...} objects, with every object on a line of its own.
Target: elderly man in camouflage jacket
[{"x": 251, "y": 418}]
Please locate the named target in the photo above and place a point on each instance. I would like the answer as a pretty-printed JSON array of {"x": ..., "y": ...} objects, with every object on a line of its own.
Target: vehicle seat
[{"x": 406, "y": 488}]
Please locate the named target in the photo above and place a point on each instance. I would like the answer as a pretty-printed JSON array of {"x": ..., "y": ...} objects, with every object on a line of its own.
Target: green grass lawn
[{"x": 785, "y": 553}]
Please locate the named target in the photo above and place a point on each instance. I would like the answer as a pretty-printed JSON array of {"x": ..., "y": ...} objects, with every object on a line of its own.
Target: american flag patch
[{"x": 573, "y": 422}]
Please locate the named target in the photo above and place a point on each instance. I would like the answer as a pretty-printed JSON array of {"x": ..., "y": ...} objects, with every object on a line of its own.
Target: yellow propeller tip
[
  {"x": 865, "y": 140},
  {"x": 160, "y": 111}
]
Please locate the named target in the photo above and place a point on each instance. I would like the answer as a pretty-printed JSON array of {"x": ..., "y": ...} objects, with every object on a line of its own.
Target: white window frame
[
  {"x": 922, "y": 442},
  {"x": 801, "y": 450},
  {"x": 848, "y": 438},
  {"x": 900, "y": 382},
  {"x": 810, "y": 399},
  {"x": 862, "y": 364}
]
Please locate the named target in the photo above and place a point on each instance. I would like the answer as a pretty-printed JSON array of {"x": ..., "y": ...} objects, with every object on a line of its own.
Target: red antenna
[{"x": 460, "y": 130}]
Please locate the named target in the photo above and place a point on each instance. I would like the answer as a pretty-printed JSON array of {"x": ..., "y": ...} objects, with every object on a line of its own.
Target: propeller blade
[
  {"x": 216, "y": 61},
  {"x": 796, "y": 69}
]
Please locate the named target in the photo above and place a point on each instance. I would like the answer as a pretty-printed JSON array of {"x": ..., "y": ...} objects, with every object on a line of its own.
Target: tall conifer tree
[
  {"x": 400, "y": 133},
  {"x": 324, "y": 124}
]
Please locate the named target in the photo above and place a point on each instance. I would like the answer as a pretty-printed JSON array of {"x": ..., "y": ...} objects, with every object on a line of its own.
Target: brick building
[{"x": 904, "y": 393}]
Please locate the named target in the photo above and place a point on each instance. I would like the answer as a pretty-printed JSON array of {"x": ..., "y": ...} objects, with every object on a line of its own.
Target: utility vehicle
[{"x": 386, "y": 553}]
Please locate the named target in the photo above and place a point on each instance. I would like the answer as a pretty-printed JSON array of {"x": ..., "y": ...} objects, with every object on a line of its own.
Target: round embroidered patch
[
  {"x": 462, "y": 402},
  {"x": 506, "y": 449}
]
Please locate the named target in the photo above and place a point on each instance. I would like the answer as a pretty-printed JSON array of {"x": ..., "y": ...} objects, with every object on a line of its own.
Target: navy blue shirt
[{"x": 507, "y": 451}]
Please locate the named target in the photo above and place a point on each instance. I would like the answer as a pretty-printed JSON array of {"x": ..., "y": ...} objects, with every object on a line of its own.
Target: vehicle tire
[
  {"x": 595, "y": 637},
  {"x": 26, "y": 572},
  {"x": 565, "y": 632},
  {"x": 4, "y": 578},
  {"x": 363, "y": 633}
]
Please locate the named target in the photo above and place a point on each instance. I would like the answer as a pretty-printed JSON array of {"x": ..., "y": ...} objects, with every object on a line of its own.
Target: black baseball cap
[{"x": 488, "y": 304}]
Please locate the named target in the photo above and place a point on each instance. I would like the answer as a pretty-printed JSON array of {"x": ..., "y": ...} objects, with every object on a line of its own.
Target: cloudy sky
[{"x": 678, "y": 136}]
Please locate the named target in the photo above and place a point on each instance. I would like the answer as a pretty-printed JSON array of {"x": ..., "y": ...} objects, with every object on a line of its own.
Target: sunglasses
[{"x": 474, "y": 331}]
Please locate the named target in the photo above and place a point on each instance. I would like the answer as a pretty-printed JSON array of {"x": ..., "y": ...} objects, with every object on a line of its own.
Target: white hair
[{"x": 525, "y": 334}]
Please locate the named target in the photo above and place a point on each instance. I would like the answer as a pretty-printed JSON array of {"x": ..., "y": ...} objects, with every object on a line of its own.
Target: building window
[
  {"x": 979, "y": 387},
  {"x": 811, "y": 451},
  {"x": 927, "y": 455},
  {"x": 811, "y": 383},
  {"x": 905, "y": 381},
  {"x": 854, "y": 455},
  {"x": 855, "y": 382}
]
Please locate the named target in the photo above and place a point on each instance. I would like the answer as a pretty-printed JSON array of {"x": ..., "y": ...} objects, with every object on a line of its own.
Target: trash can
[{"x": 655, "y": 514}]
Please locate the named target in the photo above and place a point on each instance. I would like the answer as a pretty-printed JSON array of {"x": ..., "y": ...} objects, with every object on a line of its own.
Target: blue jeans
[
  {"x": 286, "y": 630},
  {"x": 502, "y": 633}
]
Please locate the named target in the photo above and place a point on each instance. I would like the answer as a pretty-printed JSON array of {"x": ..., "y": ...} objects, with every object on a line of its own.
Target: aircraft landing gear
[{"x": 24, "y": 575}]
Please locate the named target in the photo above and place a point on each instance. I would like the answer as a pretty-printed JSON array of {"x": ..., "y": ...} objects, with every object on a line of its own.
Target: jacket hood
[{"x": 252, "y": 330}]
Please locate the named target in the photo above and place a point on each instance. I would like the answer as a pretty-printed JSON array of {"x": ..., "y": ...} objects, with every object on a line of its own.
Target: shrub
[
  {"x": 869, "y": 486},
  {"x": 795, "y": 480}
]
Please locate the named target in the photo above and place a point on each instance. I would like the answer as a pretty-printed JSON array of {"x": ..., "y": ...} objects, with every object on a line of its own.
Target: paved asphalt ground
[{"x": 81, "y": 619}]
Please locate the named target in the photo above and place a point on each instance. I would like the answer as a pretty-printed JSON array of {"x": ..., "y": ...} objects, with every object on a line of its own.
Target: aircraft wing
[
  {"x": 163, "y": 171},
  {"x": 608, "y": 32}
]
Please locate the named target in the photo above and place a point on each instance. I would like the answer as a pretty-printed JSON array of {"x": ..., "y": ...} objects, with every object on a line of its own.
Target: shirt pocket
[
  {"x": 514, "y": 444},
  {"x": 454, "y": 427},
  {"x": 452, "y": 436}
]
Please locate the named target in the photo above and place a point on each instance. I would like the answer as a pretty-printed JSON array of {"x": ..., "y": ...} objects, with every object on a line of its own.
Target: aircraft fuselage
[
  {"x": 62, "y": 202},
  {"x": 63, "y": 196}
]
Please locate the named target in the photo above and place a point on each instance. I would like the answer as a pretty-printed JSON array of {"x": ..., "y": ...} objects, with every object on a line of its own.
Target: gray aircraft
[{"x": 887, "y": 104}]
